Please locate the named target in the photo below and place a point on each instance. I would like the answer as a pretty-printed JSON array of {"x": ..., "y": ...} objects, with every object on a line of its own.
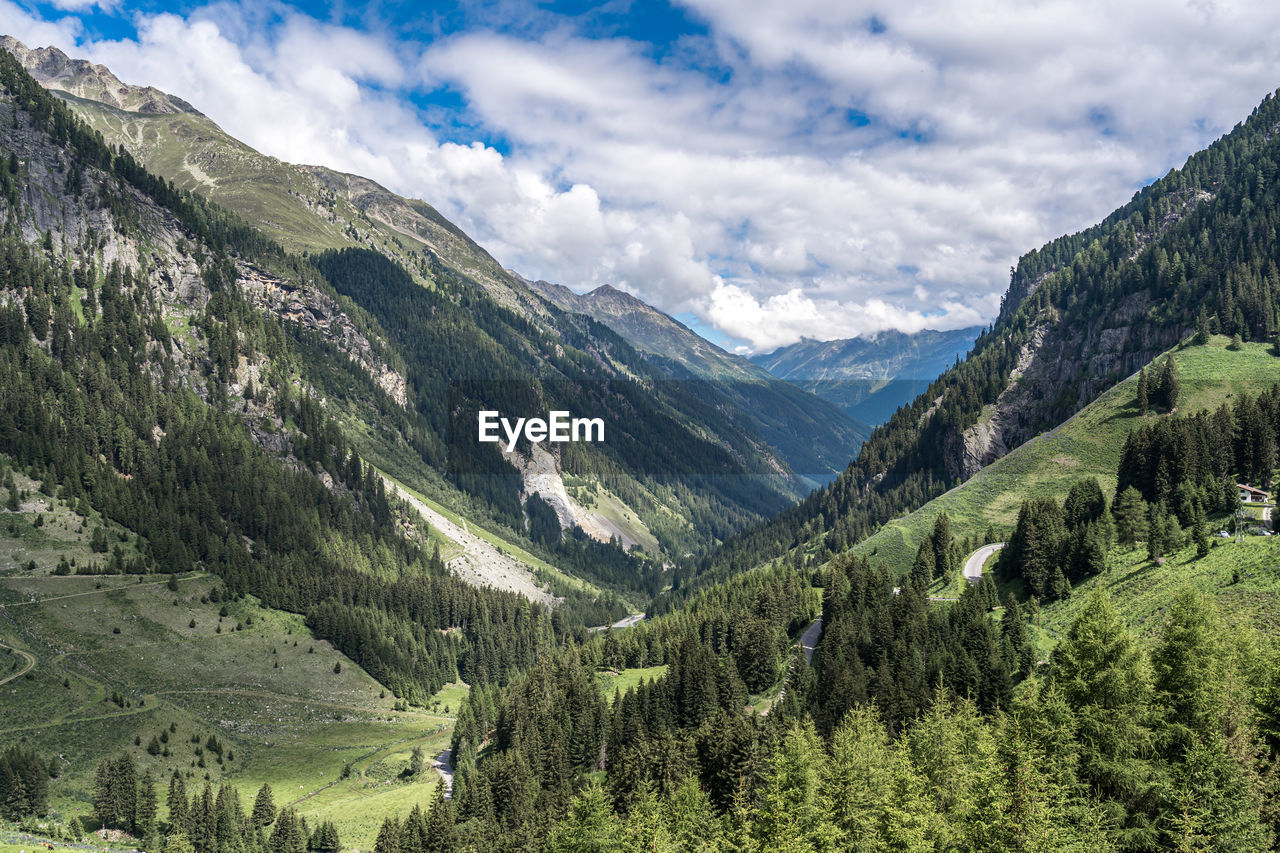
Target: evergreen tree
[
  {"x": 1202, "y": 327},
  {"x": 1169, "y": 387},
  {"x": 147, "y": 806},
  {"x": 922, "y": 571},
  {"x": 1130, "y": 512},
  {"x": 178, "y": 842},
  {"x": 179, "y": 808},
  {"x": 1104, "y": 678},
  {"x": 264, "y": 807}
]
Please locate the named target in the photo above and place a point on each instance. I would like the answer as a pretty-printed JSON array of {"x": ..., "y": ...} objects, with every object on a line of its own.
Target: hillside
[
  {"x": 869, "y": 378},
  {"x": 287, "y": 709},
  {"x": 812, "y": 436},
  {"x": 1081, "y": 314},
  {"x": 737, "y": 466},
  {"x": 1087, "y": 445}
]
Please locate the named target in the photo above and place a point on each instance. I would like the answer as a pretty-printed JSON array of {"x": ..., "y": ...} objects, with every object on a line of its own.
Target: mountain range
[
  {"x": 251, "y": 552},
  {"x": 754, "y": 442},
  {"x": 869, "y": 378}
]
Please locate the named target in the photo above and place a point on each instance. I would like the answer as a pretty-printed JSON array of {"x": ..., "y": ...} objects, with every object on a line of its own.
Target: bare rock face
[
  {"x": 540, "y": 472},
  {"x": 53, "y": 69}
]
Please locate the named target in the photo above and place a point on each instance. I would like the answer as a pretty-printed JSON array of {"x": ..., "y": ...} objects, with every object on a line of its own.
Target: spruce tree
[
  {"x": 1202, "y": 327},
  {"x": 1170, "y": 385},
  {"x": 1130, "y": 512},
  {"x": 147, "y": 806}
]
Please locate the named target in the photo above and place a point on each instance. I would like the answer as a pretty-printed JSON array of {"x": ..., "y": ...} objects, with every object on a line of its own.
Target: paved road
[
  {"x": 31, "y": 662},
  {"x": 808, "y": 642},
  {"x": 443, "y": 764},
  {"x": 973, "y": 565},
  {"x": 809, "y": 639},
  {"x": 629, "y": 622}
]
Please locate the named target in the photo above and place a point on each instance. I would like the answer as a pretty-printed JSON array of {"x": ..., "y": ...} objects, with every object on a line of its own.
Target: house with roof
[{"x": 1250, "y": 495}]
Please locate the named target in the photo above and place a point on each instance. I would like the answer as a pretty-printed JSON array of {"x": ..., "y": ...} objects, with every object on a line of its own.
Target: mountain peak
[{"x": 53, "y": 69}]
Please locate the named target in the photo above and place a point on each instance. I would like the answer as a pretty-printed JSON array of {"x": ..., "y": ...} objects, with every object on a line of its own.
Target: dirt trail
[
  {"x": 31, "y": 663},
  {"x": 481, "y": 563}
]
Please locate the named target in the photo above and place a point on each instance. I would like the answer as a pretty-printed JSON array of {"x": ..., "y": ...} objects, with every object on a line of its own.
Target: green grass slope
[
  {"x": 1089, "y": 444},
  {"x": 122, "y": 659},
  {"x": 1243, "y": 578}
]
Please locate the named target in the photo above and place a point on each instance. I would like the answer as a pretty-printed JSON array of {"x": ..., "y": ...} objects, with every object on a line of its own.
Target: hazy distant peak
[{"x": 53, "y": 69}]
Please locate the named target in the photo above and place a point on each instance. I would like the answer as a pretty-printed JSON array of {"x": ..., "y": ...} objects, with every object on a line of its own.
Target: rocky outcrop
[
  {"x": 314, "y": 310},
  {"x": 1057, "y": 373},
  {"x": 53, "y": 69}
]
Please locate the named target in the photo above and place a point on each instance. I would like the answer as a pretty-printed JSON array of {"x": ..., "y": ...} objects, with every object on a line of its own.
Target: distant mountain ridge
[
  {"x": 869, "y": 378},
  {"x": 815, "y": 437}
]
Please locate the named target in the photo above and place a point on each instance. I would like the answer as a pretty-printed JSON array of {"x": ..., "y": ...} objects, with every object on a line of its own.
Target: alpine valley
[{"x": 1008, "y": 588}]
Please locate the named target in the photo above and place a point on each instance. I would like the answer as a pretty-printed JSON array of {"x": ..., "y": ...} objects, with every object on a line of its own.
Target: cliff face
[
  {"x": 89, "y": 217},
  {"x": 1062, "y": 364}
]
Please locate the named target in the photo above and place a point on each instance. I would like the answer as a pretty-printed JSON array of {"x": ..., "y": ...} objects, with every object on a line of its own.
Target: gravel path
[{"x": 444, "y": 766}]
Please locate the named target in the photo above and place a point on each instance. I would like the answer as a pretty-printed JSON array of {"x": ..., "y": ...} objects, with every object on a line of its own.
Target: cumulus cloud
[{"x": 798, "y": 169}]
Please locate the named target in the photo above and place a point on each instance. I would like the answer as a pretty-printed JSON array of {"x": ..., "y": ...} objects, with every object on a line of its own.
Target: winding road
[
  {"x": 973, "y": 565},
  {"x": 31, "y": 663}
]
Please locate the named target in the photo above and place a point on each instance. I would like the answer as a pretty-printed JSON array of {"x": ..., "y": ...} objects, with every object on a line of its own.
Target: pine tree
[
  {"x": 441, "y": 835},
  {"x": 178, "y": 842},
  {"x": 179, "y": 808},
  {"x": 589, "y": 827},
  {"x": 1200, "y": 535},
  {"x": 1170, "y": 385},
  {"x": 147, "y": 806},
  {"x": 264, "y": 807},
  {"x": 1144, "y": 392},
  {"x": 388, "y": 837},
  {"x": 941, "y": 539},
  {"x": 923, "y": 569},
  {"x": 1103, "y": 675}
]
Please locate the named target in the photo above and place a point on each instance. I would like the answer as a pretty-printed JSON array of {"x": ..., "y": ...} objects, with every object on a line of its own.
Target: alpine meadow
[{"x": 323, "y": 530}]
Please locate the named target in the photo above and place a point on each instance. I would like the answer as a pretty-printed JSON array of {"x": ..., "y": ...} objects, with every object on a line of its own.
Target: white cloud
[
  {"x": 85, "y": 5},
  {"x": 746, "y": 196}
]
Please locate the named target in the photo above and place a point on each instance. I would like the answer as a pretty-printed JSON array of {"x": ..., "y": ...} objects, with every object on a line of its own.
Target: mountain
[
  {"x": 869, "y": 378},
  {"x": 1081, "y": 313},
  {"x": 686, "y": 463},
  {"x": 202, "y": 575},
  {"x": 811, "y": 435}
]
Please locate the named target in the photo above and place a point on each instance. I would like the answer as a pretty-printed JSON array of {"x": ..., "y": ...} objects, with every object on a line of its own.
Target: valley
[{"x": 262, "y": 591}]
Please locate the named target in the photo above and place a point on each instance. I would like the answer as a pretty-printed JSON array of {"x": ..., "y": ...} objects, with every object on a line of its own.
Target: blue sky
[{"x": 762, "y": 170}]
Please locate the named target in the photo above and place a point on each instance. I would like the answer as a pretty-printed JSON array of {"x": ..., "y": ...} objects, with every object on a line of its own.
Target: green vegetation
[
  {"x": 1081, "y": 314},
  {"x": 255, "y": 680},
  {"x": 1089, "y": 444}
]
